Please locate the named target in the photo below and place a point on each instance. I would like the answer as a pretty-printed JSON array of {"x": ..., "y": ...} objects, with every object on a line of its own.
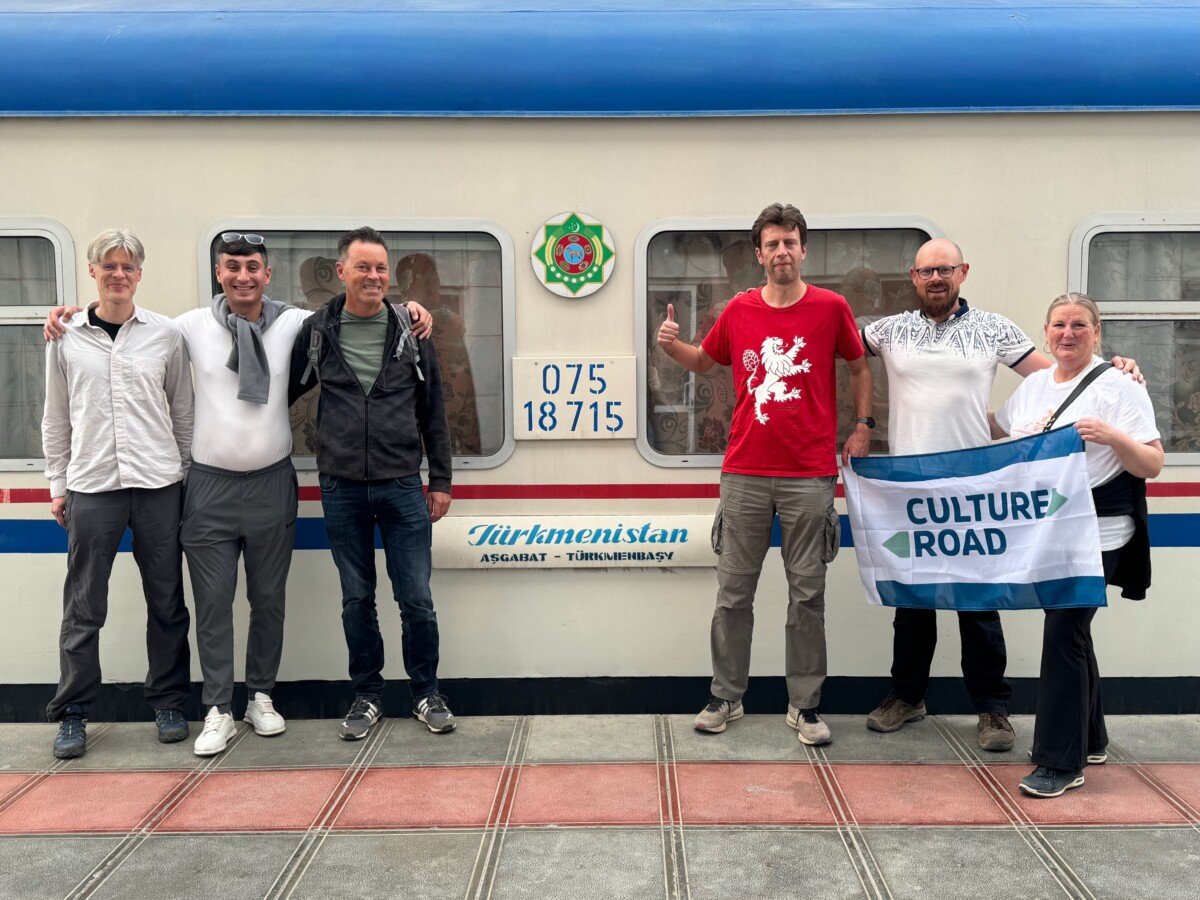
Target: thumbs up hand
[{"x": 668, "y": 332}]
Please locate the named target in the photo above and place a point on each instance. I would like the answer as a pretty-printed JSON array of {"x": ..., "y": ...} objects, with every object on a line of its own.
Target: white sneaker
[
  {"x": 260, "y": 713},
  {"x": 218, "y": 729}
]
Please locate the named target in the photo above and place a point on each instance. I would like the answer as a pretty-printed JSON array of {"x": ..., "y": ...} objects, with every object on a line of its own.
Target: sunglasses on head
[{"x": 254, "y": 240}]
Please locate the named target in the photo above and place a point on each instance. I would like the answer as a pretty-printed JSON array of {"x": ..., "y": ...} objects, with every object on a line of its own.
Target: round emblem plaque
[{"x": 572, "y": 254}]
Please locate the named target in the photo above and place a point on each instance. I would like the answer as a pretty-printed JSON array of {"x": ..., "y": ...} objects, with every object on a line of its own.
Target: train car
[{"x": 1057, "y": 144}]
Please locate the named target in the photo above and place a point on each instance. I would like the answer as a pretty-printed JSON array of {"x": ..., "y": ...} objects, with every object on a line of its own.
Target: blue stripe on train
[
  {"x": 44, "y": 536},
  {"x": 1056, "y": 593}
]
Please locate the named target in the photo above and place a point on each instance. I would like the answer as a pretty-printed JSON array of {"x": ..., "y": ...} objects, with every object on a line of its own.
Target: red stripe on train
[{"x": 585, "y": 492}]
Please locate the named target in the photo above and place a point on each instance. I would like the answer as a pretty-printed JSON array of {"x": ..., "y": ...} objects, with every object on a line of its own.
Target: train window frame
[
  {"x": 342, "y": 224},
  {"x": 722, "y": 223},
  {"x": 1133, "y": 310},
  {"x": 65, "y": 289}
]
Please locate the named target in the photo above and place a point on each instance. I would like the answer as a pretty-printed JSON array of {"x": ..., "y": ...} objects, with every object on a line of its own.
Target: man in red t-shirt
[{"x": 780, "y": 342}]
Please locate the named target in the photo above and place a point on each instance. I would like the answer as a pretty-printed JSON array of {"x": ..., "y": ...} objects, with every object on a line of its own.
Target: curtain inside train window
[
  {"x": 28, "y": 286},
  {"x": 457, "y": 277},
  {"x": 700, "y": 271},
  {"x": 1147, "y": 285}
]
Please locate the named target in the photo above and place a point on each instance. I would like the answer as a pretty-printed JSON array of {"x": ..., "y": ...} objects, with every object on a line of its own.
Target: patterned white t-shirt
[{"x": 940, "y": 375}]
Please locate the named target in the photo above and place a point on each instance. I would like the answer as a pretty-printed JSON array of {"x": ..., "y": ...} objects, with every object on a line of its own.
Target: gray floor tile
[
  {"x": 134, "y": 745},
  {"x": 774, "y": 864},
  {"x": 917, "y": 742},
  {"x": 953, "y": 863},
  {"x": 1133, "y": 862},
  {"x": 416, "y": 866},
  {"x": 35, "y": 867},
  {"x": 186, "y": 866},
  {"x": 615, "y": 864},
  {"x": 750, "y": 738},
  {"x": 477, "y": 739},
  {"x": 306, "y": 743},
  {"x": 967, "y": 727},
  {"x": 26, "y": 747},
  {"x": 595, "y": 738},
  {"x": 1156, "y": 738}
]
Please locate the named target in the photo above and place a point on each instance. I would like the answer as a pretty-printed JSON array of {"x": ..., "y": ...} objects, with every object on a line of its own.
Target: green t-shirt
[{"x": 363, "y": 339}]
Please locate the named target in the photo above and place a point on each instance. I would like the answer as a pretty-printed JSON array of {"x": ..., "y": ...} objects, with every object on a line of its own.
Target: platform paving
[{"x": 582, "y": 807}]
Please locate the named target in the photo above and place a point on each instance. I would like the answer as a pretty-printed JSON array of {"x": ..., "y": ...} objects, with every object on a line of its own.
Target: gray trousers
[
  {"x": 741, "y": 535},
  {"x": 95, "y": 525},
  {"x": 227, "y": 514}
]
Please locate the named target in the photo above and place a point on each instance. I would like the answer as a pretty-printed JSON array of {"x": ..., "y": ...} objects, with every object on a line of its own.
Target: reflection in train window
[
  {"x": 1147, "y": 285},
  {"x": 455, "y": 275},
  {"x": 699, "y": 271},
  {"x": 29, "y": 285}
]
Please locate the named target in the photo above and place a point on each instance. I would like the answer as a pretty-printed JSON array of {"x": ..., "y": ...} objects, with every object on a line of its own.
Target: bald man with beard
[{"x": 941, "y": 361}]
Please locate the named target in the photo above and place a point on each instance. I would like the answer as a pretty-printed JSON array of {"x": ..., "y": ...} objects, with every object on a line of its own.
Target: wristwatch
[{"x": 869, "y": 421}]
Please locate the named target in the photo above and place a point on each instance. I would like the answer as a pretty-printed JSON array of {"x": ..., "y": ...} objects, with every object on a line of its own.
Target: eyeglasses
[
  {"x": 926, "y": 272},
  {"x": 256, "y": 240},
  {"x": 113, "y": 268}
]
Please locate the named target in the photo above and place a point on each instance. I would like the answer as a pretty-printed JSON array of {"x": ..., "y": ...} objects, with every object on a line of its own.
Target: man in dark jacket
[{"x": 380, "y": 406}]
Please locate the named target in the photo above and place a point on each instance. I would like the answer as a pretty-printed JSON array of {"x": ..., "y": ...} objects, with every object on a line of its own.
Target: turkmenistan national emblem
[{"x": 573, "y": 255}]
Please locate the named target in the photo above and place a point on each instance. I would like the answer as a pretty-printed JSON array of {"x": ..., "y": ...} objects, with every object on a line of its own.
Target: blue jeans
[{"x": 353, "y": 509}]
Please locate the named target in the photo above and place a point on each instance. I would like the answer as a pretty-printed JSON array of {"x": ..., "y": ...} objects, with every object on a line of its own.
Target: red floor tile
[
  {"x": 591, "y": 794},
  {"x": 88, "y": 802},
  {"x": 751, "y": 793},
  {"x": 267, "y": 800},
  {"x": 1111, "y": 795},
  {"x": 422, "y": 797},
  {"x": 916, "y": 795},
  {"x": 10, "y": 781},
  {"x": 1182, "y": 778}
]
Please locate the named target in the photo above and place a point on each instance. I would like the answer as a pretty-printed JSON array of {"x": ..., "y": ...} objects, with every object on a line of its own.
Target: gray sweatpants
[
  {"x": 810, "y": 535},
  {"x": 227, "y": 514},
  {"x": 95, "y": 525}
]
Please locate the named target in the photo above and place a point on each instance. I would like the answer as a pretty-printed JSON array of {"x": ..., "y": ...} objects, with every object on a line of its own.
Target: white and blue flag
[{"x": 1007, "y": 526}]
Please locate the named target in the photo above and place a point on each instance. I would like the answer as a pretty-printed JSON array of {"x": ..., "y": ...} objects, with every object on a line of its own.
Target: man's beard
[{"x": 933, "y": 308}]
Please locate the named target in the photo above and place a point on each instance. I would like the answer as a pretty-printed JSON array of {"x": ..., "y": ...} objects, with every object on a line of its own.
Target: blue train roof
[{"x": 584, "y": 58}]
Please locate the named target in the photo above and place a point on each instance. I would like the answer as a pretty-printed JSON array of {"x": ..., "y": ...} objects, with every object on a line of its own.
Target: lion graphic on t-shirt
[{"x": 777, "y": 365}]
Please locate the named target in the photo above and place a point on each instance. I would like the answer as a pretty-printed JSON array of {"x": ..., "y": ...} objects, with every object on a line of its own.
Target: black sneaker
[
  {"x": 71, "y": 742},
  {"x": 1046, "y": 782},
  {"x": 434, "y": 712},
  {"x": 364, "y": 713},
  {"x": 172, "y": 725}
]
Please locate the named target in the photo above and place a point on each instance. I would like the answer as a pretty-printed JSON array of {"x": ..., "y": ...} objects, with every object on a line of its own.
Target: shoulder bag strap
[{"x": 1079, "y": 389}]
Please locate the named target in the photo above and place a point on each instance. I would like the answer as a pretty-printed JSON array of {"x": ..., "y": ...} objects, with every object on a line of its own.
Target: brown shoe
[
  {"x": 892, "y": 714},
  {"x": 995, "y": 732}
]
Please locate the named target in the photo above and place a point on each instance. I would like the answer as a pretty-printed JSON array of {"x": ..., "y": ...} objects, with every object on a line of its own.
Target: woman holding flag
[{"x": 1114, "y": 416}]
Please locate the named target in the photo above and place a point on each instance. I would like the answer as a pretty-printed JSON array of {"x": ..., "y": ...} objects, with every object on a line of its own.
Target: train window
[
  {"x": 463, "y": 277},
  {"x": 1144, "y": 274},
  {"x": 684, "y": 416},
  {"x": 36, "y": 274}
]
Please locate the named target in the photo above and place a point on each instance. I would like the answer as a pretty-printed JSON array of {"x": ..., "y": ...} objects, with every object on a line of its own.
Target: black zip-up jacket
[{"x": 377, "y": 435}]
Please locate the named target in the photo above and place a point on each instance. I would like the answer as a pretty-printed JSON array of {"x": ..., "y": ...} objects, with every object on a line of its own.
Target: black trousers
[
  {"x": 95, "y": 525},
  {"x": 1070, "y": 710},
  {"x": 983, "y": 657}
]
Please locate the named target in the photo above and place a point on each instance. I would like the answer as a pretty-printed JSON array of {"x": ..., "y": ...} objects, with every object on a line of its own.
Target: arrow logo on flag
[
  {"x": 898, "y": 544},
  {"x": 1056, "y": 502}
]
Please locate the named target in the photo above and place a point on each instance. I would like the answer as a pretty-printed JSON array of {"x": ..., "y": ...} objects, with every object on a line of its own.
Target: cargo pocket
[
  {"x": 718, "y": 529},
  {"x": 833, "y": 535}
]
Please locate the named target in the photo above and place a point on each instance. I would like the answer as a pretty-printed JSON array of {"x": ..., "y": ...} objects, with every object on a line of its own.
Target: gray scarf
[{"x": 248, "y": 357}]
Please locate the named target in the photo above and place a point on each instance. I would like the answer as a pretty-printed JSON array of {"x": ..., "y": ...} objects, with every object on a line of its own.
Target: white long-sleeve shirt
[
  {"x": 230, "y": 433},
  {"x": 118, "y": 412}
]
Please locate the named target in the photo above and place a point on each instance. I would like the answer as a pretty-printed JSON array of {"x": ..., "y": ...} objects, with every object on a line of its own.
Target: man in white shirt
[{"x": 116, "y": 434}]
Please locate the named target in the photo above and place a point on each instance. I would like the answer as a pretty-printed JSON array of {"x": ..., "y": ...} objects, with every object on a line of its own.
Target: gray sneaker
[
  {"x": 1046, "y": 782},
  {"x": 364, "y": 713},
  {"x": 434, "y": 712},
  {"x": 810, "y": 727},
  {"x": 995, "y": 732},
  {"x": 893, "y": 714},
  {"x": 717, "y": 714}
]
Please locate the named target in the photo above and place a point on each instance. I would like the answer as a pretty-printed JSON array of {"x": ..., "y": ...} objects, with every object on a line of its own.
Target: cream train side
[{"x": 1047, "y": 183}]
